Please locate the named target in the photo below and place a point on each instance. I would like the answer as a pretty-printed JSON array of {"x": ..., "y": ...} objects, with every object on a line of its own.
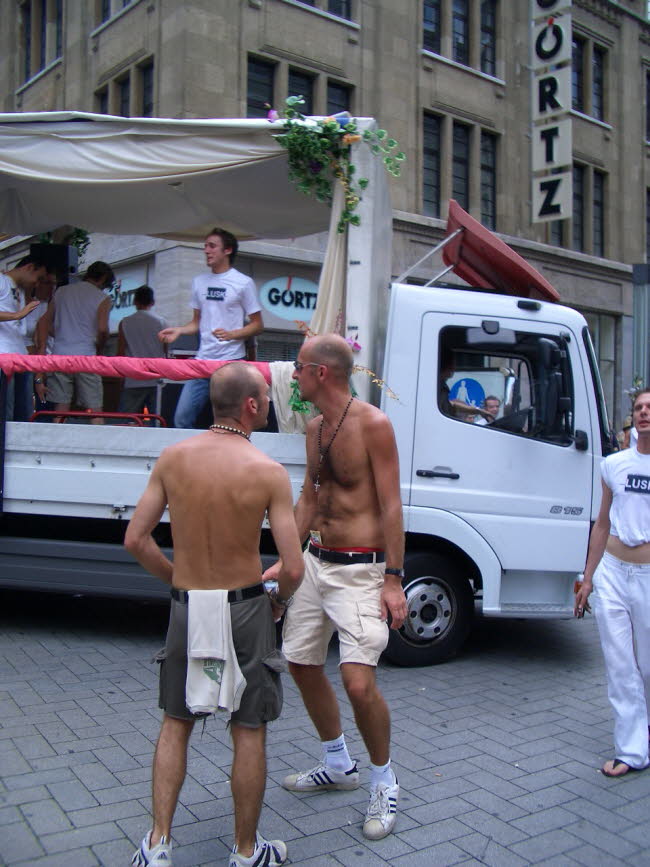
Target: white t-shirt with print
[
  {"x": 12, "y": 332},
  {"x": 224, "y": 300},
  {"x": 627, "y": 475}
]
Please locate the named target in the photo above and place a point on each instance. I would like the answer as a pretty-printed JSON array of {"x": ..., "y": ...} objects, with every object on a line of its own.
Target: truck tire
[{"x": 440, "y": 612}]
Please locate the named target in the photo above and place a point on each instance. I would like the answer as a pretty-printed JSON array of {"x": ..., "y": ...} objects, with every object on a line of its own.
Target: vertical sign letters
[{"x": 551, "y": 158}]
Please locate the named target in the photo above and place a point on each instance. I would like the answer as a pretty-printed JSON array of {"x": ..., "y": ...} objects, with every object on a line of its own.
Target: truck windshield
[{"x": 606, "y": 443}]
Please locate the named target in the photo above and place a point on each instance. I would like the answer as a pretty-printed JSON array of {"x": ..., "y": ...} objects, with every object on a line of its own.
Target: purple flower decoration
[
  {"x": 315, "y": 167},
  {"x": 272, "y": 115}
]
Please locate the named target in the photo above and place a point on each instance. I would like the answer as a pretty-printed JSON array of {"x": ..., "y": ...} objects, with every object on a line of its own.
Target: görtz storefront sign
[
  {"x": 551, "y": 160},
  {"x": 291, "y": 298}
]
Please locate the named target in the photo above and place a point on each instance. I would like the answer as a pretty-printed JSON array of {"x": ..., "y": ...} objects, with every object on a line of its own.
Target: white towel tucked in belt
[{"x": 214, "y": 679}]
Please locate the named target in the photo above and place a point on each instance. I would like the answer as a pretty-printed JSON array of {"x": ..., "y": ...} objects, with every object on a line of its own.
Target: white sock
[
  {"x": 335, "y": 754},
  {"x": 383, "y": 774}
]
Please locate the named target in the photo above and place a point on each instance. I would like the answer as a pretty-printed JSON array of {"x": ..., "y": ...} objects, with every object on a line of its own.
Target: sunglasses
[{"x": 298, "y": 365}]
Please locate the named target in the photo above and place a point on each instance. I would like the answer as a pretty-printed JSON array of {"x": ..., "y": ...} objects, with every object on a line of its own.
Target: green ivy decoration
[
  {"x": 319, "y": 148},
  {"x": 78, "y": 238}
]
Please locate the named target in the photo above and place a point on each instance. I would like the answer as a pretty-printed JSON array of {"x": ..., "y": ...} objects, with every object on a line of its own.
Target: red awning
[{"x": 485, "y": 261}]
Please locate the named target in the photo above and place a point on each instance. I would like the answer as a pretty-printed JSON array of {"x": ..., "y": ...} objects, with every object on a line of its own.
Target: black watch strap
[{"x": 391, "y": 571}]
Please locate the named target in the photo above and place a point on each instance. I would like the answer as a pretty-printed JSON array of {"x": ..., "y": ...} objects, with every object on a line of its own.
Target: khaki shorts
[
  {"x": 87, "y": 386},
  {"x": 253, "y": 635},
  {"x": 336, "y": 598}
]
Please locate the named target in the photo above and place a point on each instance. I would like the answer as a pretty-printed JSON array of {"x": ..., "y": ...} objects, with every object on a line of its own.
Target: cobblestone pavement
[{"x": 496, "y": 752}]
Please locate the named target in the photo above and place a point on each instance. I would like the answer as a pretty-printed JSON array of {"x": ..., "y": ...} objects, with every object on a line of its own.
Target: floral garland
[{"x": 319, "y": 149}]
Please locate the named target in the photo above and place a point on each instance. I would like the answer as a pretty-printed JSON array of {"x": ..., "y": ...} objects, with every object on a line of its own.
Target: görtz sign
[
  {"x": 551, "y": 159},
  {"x": 292, "y": 298}
]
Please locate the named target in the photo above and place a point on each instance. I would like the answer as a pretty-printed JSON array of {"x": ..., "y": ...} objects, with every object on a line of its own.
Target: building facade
[{"x": 449, "y": 79}]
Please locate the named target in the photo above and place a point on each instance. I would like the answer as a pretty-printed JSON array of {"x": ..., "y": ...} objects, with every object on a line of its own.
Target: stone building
[{"x": 450, "y": 79}]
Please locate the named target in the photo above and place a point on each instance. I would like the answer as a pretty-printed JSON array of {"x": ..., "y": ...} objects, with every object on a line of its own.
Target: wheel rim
[{"x": 430, "y": 610}]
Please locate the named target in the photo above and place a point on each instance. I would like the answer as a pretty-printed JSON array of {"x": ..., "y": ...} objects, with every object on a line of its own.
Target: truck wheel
[{"x": 440, "y": 612}]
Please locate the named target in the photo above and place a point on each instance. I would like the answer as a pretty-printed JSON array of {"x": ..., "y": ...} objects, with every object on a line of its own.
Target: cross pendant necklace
[{"x": 323, "y": 452}]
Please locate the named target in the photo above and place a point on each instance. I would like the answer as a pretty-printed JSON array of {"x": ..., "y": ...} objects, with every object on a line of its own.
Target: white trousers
[{"x": 621, "y": 602}]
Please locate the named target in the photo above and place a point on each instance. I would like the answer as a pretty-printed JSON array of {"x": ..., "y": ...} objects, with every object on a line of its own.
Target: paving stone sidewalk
[{"x": 497, "y": 752}]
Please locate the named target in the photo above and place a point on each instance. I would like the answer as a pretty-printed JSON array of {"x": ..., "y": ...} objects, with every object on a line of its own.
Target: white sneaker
[
  {"x": 322, "y": 779},
  {"x": 267, "y": 853},
  {"x": 158, "y": 856},
  {"x": 382, "y": 811}
]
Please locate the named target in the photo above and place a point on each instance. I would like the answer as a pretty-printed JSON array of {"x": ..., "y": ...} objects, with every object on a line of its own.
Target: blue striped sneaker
[
  {"x": 382, "y": 811},
  {"x": 159, "y": 855},
  {"x": 322, "y": 779},
  {"x": 267, "y": 853}
]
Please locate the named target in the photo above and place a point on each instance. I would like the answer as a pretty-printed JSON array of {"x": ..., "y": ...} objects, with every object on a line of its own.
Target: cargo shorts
[
  {"x": 334, "y": 597},
  {"x": 254, "y": 639}
]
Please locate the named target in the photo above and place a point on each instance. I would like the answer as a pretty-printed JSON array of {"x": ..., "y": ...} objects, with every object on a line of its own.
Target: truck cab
[{"x": 499, "y": 512}]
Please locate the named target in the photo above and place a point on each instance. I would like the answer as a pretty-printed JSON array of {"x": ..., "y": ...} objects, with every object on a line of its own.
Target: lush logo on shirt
[
  {"x": 638, "y": 484},
  {"x": 216, "y": 293}
]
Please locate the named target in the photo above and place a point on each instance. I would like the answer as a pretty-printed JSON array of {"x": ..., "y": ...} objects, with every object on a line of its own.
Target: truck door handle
[{"x": 430, "y": 474}]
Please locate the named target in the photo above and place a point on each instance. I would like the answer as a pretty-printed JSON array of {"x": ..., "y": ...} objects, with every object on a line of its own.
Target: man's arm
[
  {"x": 121, "y": 341},
  {"x": 382, "y": 452},
  {"x": 138, "y": 540},
  {"x": 255, "y": 326},
  {"x": 103, "y": 312},
  {"x": 597, "y": 545},
  {"x": 285, "y": 534},
  {"x": 169, "y": 335},
  {"x": 44, "y": 327},
  {"x": 9, "y": 316}
]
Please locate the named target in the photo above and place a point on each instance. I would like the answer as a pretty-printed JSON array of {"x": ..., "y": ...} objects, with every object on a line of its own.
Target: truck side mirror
[{"x": 581, "y": 441}]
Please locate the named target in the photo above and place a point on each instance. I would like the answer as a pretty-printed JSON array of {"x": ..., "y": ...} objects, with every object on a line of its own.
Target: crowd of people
[{"x": 220, "y": 652}]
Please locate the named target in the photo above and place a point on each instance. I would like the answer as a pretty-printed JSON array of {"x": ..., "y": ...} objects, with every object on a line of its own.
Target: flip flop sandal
[{"x": 615, "y": 764}]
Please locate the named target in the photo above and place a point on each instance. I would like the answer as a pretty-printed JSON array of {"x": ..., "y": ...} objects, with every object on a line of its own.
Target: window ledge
[
  {"x": 477, "y": 72},
  {"x": 40, "y": 74},
  {"x": 113, "y": 18},
  {"x": 323, "y": 14},
  {"x": 601, "y": 123}
]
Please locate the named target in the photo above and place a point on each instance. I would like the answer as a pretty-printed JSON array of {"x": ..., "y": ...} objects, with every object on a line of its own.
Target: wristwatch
[
  {"x": 398, "y": 572},
  {"x": 275, "y": 596},
  {"x": 38, "y": 380}
]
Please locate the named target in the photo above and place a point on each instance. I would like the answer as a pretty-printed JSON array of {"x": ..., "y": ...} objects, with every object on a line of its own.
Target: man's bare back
[
  {"x": 348, "y": 512},
  {"x": 218, "y": 488}
]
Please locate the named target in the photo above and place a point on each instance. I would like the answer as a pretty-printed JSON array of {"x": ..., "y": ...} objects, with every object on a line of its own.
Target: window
[
  {"x": 41, "y": 35},
  {"x": 460, "y": 164},
  {"x": 301, "y": 84},
  {"x": 598, "y": 229},
  {"x": 108, "y": 8},
  {"x": 105, "y": 10},
  {"x": 578, "y": 208},
  {"x": 647, "y": 225},
  {"x": 556, "y": 233},
  {"x": 488, "y": 36},
  {"x": 460, "y": 31},
  {"x": 259, "y": 94},
  {"x": 597, "y": 83},
  {"x": 339, "y": 97},
  {"x": 488, "y": 180},
  {"x": 431, "y": 165},
  {"x": 101, "y": 101},
  {"x": 578, "y": 74},
  {"x": 124, "y": 96},
  {"x": 602, "y": 327},
  {"x": 647, "y": 106},
  {"x": 146, "y": 90},
  {"x": 342, "y": 8},
  {"x": 517, "y": 376},
  {"x": 431, "y": 26}
]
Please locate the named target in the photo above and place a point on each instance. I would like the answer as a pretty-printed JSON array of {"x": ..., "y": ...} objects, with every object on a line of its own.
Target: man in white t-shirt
[
  {"x": 16, "y": 288},
  {"x": 78, "y": 319},
  {"x": 221, "y": 301},
  {"x": 618, "y": 573}
]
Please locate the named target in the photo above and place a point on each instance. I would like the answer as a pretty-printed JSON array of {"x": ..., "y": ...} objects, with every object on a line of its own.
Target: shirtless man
[
  {"x": 618, "y": 573},
  {"x": 351, "y": 510},
  {"x": 218, "y": 487}
]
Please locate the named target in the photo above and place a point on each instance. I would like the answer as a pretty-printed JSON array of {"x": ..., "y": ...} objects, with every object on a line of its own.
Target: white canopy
[{"x": 173, "y": 178}]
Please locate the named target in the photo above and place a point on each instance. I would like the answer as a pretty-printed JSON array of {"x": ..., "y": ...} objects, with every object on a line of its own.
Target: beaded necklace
[
  {"x": 322, "y": 453},
  {"x": 215, "y": 427}
]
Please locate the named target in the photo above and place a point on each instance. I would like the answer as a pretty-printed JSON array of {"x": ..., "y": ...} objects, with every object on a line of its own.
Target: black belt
[
  {"x": 233, "y": 595},
  {"x": 346, "y": 557}
]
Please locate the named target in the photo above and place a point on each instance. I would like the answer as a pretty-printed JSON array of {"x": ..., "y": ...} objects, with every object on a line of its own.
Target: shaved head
[
  {"x": 231, "y": 385},
  {"x": 333, "y": 351}
]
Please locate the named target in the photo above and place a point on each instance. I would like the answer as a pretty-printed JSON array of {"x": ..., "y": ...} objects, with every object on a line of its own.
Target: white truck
[{"x": 497, "y": 516}]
